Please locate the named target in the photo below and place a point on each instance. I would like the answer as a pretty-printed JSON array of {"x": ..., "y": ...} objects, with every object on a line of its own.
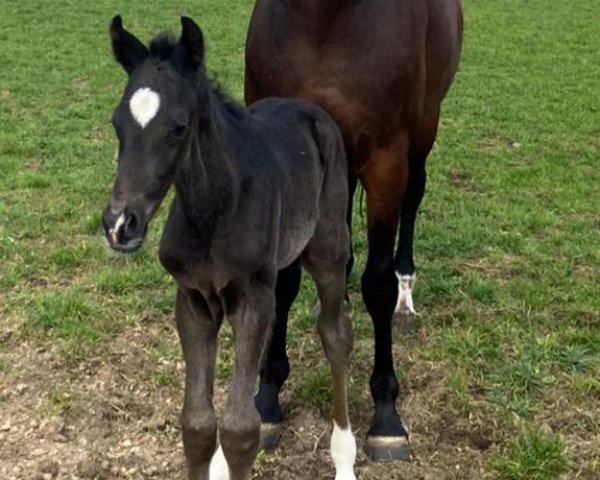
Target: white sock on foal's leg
[
  {"x": 405, "y": 305},
  {"x": 219, "y": 470},
  {"x": 343, "y": 453}
]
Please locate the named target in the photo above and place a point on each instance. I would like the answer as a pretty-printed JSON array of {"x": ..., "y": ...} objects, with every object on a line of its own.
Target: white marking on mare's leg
[
  {"x": 144, "y": 105},
  {"x": 114, "y": 232},
  {"x": 343, "y": 453},
  {"x": 405, "y": 305},
  {"x": 219, "y": 470}
]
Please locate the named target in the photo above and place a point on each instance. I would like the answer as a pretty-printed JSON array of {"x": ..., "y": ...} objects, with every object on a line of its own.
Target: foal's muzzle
[{"x": 124, "y": 230}]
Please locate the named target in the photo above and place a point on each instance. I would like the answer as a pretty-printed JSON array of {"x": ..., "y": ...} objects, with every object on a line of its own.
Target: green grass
[
  {"x": 167, "y": 377},
  {"x": 456, "y": 381},
  {"x": 4, "y": 366},
  {"x": 587, "y": 386},
  {"x": 507, "y": 244},
  {"x": 315, "y": 389},
  {"x": 533, "y": 455},
  {"x": 66, "y": 313},
  {"x": 56, "y": 403}
]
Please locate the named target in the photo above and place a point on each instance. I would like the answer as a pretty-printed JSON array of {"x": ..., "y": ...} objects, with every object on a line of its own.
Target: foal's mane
[{"x": 163, "y": 46}]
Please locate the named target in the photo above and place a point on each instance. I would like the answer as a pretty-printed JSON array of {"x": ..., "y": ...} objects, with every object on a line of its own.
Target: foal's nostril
[{"x": 130, "y": 226}]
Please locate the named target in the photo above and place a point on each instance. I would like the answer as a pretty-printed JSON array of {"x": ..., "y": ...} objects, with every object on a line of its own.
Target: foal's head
[{"x": 160, "y": 108}]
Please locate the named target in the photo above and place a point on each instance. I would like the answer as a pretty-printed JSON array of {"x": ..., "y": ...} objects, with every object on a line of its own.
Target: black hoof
[
  {"x": 270, "y": 433},
  {"x": 404, "y": 321},
  {"x": 381, "y": 449}
]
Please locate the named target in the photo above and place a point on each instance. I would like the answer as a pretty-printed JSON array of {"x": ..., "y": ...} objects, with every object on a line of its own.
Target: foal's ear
[
  {"x": 128, "y": 50},
  {"x": 192, "y": 42}
]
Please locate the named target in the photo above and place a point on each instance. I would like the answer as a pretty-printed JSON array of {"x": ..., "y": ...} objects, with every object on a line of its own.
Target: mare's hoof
[
  {"x": 270, "y": 433},
  {"x": 405, "y": 321},
  {"x": 381, "y": 449}
]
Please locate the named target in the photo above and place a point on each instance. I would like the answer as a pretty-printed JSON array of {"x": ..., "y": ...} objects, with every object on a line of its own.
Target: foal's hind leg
[
  {"x": 197, "y": 328},
  {"x": 328, "y": 269},
  {"x": 421, "y": 142},
  {"x": 277, "y": 368}
]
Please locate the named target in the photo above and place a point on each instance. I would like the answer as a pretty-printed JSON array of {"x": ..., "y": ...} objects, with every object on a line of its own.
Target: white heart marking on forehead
[{"x": 144, "y": 105}]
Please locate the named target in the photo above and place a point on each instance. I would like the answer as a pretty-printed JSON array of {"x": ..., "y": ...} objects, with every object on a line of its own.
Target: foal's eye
[{"x": 178, "y": 131}]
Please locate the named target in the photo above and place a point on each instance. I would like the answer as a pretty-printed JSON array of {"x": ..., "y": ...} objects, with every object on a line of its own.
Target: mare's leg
[
  {"x": 277, "y": 368},
  {"x": 197, "y": 328},
  {"x": 251, "y": 311},
  {"x": 421, "y": 142},
  {"x": 384, "y": 179}
]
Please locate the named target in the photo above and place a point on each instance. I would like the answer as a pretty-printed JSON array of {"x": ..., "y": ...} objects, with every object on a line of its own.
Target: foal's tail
[
  {"x": 335, "y": 201},
  {"x": 330, "y": 144}
]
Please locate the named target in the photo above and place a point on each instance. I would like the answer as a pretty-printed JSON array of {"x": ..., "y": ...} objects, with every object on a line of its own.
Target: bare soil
[{"x": 107, "y": 418}]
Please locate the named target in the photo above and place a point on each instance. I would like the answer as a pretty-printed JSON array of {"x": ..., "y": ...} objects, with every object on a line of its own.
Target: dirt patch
[
  {"x": 108, "y": 418},
  {"x": 503, "y": 268},
  {"x": 461, "y": 181},
  {"x": 497, "y": 143},
  {"x": 96, "y": 419}
]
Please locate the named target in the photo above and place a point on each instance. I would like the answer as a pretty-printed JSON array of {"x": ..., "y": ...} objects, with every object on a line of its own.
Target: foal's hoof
[
  {"x": 381, "y": 449},
  {"x": 270, "y": 433}
]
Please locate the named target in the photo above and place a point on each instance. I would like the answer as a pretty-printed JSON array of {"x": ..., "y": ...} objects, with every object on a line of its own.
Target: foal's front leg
[
  {"x": 251, "y": 318},
  {"x": 198, "y": 329}
]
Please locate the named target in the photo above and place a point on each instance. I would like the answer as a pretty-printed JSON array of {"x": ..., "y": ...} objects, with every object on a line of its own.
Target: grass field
[{"x": 502, "y": 377}]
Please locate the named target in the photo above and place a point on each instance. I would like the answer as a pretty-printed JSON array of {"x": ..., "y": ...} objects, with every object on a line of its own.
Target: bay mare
[
  {"x": 381, "y": 68},
  {"x": 259, "y": 192}
]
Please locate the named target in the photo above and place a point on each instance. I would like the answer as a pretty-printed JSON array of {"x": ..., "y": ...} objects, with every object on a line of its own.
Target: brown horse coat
[{"x": 381, "y": 68}]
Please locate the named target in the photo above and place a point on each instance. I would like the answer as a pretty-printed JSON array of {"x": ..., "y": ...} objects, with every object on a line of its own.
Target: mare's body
[
  {"x": 381, "y": 68},
  {"x": 258, "y": 193}
]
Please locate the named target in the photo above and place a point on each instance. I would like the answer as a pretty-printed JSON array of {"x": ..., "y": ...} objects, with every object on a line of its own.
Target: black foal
[{"x": 259, "y": 192}]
